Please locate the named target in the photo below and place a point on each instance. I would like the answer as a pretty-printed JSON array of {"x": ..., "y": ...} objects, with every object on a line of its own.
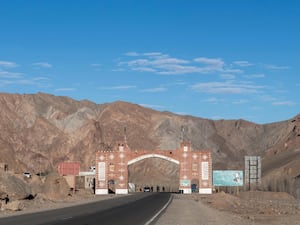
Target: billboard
[
  {"x": 228, "y": 178},
  {"x": 69, "y": 168}
]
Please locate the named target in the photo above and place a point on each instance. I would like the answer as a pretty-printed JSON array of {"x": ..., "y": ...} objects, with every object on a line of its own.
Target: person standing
[{"x": 6, "y": 199}]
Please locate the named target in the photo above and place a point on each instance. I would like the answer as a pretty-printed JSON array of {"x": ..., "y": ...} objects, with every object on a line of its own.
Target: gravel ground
[
  {"x": 249, "y": 208},
  {"x": 186, "y": 210}
]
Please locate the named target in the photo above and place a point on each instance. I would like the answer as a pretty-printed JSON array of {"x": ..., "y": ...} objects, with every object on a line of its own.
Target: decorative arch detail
[{"x": 153, "y": 156}]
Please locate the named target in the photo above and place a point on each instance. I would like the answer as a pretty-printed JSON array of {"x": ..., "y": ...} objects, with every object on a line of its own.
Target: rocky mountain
[{"x": 37, "y": 131}]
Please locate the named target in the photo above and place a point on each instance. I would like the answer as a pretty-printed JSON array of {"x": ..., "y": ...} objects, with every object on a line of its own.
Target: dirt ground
[
  {"x": 41, "y": 203},
  {"x": 246, "y": 208}
]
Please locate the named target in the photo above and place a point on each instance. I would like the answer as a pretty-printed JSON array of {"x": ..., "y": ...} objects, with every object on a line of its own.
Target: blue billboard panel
[{"x": 228, "y": 178}]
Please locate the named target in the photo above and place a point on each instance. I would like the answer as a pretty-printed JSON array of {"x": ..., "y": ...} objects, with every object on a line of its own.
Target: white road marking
[
  {"x": 67, "y": 218},
  {"x": 160, "y": 211}
]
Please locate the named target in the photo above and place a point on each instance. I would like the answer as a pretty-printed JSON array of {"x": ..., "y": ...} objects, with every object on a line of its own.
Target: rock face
[
  {"x": 13, "y": 186},
  {"x": 55, "y": 187},
  {"x": 38, "y": 131},
  {"x": 13, "y": 206}
]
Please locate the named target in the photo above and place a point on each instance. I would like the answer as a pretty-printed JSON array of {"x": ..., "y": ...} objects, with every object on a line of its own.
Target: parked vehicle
[{"x": 27, "y": 174}]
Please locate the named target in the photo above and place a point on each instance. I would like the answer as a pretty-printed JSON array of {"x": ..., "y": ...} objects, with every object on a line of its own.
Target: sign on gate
[{"x": 185, "y": 183}]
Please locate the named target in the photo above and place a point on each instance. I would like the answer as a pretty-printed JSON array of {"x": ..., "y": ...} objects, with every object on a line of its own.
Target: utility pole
[
  {"x": 125, "y": 138},
  {"x": 182, "y": 133}
]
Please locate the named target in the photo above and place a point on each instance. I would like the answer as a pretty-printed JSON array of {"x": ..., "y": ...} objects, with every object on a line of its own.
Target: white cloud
[
  {"x": 240, "y": 101},
  {"x": 226, "y": 88},
  {"x": 64, "y": 89},
  {"x": 42, "y": 65},
  {"x": 27, "y": 82},
  {"x": 227, "y": 76},
  {"x": 131, "y": 54},
  {"x": 41, "y": 79},
  {"x": 284, "y": 103},
  {"x": 153, "y": 90},
  {"x": 18, "y": 79},
  {"x": 242, "y": 63},
  {"x": 159, "y": 63},
  {"x": 253, "y": 76},
  {"x": 19, "y": 82},
  {"x": 95, "y": 65},
  {"x": 216, "y": 63},
  {"x": 173, "y": 69},
  {"x": 118, "y": 70},
  {"x": 162, "y": 61},
  {"x": 177, "y": 83},
  {"x": 212, "y": 100},
  {"x": 275, "y": 67},
  {"x": 268, "y": 98},
  {"x": 276, "y": 101},
  {"x": 144, "y": 69},
  {"x": 154, "y": 54},
  {"x": 7, "y": 64},
  {"x": 6, "y": 74},
  {"x": 210, "y": 64},
  {"x": 122, "y": 87},
  {"x": 256, "y": 108}
]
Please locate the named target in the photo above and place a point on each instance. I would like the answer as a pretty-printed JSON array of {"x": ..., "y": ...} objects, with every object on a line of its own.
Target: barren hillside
[{"x": 38, "y": 131}]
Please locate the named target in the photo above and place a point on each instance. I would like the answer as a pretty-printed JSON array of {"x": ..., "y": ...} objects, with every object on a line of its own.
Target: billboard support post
[{"x": 252, "y": 171}]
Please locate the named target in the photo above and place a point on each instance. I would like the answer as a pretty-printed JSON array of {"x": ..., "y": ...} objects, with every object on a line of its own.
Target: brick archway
[{"x": 113, "y": 165}]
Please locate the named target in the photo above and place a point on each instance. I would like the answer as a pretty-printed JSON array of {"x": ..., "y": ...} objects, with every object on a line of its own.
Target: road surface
[{"x": 136, "y": 209}]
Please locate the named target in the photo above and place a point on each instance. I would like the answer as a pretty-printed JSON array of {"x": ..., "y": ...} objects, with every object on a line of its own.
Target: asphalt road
[{"x": 136, "y": 209}]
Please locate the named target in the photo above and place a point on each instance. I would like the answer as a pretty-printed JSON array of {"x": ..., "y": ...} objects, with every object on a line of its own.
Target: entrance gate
[{"x": 113, "y": 165}]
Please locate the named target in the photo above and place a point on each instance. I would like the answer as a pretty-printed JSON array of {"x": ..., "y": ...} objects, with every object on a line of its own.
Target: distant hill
[{"x": 37, "y": 131}]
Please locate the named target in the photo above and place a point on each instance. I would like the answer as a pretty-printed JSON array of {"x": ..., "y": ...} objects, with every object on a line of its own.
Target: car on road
[{"x": 146, "y": 189}]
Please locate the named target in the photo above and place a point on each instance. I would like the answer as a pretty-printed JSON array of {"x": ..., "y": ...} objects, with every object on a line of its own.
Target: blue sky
[{"x": 212, "y": 59}]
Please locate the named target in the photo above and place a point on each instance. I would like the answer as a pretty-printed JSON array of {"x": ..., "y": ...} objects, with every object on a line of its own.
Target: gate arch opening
[{"x": 154, "y": 174}]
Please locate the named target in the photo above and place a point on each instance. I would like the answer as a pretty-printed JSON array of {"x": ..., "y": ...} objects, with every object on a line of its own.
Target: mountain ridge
[{"x": 37, "y": 131}]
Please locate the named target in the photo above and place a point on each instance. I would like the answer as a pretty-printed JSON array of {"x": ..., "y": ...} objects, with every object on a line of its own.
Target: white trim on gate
[
  {"x": 187, "y": 190},
  {"x": 152, "y": 156},
  {"x": 121, "y": 191},
  {"x": 205, "y": 191},
  {"x": 101, "y": 191}
]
